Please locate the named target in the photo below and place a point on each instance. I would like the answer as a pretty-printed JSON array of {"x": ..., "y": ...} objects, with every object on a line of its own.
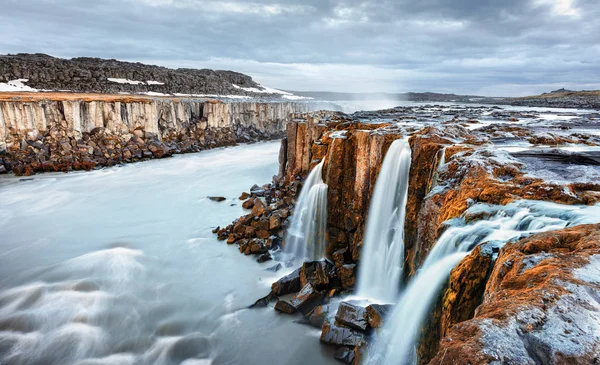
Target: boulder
[
  {"x": 336, "y": 335},
  {"x": 347, "y": 275},
  {"x": 376, "y": 314},
  {"x": 216, "y": 198},
  {"x": 248, "y": 204},
  {"x": 320, "y": 274},
  {"x": 352, "y": 316},
  {"x": 307, "y": 299},
  {"x": 287, "y": 284},
  {"x": 285, "y": 307}
]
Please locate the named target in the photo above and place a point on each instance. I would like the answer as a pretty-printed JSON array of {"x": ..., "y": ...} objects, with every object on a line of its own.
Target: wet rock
[
  {"x": 318, "y": 315},
  {"x": 344, "y": 354},
  {"x": 376, "y": 314},
  {"x": 287, "y": 284},
  {"x": 258, "y": 207},
  {"x": 248, "y": 204},
  {"x": 307, "y": 299},
  {"x": 320, "y": 274},
  {"x": 264, "y": 258},
  {"x": 244, "y": 196},
  {"x": 538, "y": 303},
  {"x": 216, "y": 198},
  {"x": 352, "y": 316},
  {"x": 264, "y": 301},
  {"x": 274, "y": 221},
  {"x": 336, "y": 335},
  {"x": 285, "y": 307},
  {"x": 348, "y": 275}
]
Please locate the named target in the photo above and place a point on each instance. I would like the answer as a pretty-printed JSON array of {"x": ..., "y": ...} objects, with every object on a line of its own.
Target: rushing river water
[{"x": 119, "y": 266}]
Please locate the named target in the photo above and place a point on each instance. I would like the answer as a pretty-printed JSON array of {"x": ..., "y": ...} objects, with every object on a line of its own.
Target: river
[{"x": 119, "y": 266}]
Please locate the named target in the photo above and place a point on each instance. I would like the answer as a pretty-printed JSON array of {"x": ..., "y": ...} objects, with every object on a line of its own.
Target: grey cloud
[{"x": 462, "y": 46}]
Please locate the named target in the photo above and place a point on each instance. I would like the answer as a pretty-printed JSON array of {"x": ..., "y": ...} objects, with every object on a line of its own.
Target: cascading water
[
  {"x": 306, "y": 236},
  {"x": 382, "y": 255},
  {"x": 399, "y": 337},
  {"x": 520, "y": 218},
  {"x": 410, "y": 313}
]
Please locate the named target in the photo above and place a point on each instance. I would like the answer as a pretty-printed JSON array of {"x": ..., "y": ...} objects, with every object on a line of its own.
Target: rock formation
[
  {"x": 518, "y": 298},
  {"x": 85, "y": 75},
  {"x": 69, "y": 133}
]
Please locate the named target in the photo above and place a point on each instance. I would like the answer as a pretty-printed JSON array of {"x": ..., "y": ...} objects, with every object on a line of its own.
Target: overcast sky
[{"x": 484, "y": 47}]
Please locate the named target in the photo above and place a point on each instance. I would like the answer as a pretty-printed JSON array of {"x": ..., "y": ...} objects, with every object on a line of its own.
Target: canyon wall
[{"x": 60, "y": 135}]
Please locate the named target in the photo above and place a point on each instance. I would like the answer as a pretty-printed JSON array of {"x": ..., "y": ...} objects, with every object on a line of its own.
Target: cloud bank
[{"x": 487, "y": 47}]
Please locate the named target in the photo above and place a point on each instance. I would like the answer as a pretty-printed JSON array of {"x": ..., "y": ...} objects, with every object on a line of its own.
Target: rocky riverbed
[{"x": 470, "y": 165}]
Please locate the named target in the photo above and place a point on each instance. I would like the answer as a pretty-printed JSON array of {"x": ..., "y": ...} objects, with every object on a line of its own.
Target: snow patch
[
  {"x": 16, "y": 85},
  {"x": 296, "y": 97},
  {"x": 125, "y": 81},
  {"x": 150, "y": 82},
  {"x": 263, "y": 90},
  {"x": 153, "y": 93},
  {"x": 213, "y": 96},
  {"x": 590, "y": 272}
]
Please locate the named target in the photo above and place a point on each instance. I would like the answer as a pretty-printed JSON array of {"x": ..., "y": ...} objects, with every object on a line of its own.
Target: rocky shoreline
[{"x": 461, "y": 158}]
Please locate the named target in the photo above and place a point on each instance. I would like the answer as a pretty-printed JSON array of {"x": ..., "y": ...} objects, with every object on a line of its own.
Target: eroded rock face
[
  {"x": 63, "y": 135},
  {"x": 540, "y": 305}
]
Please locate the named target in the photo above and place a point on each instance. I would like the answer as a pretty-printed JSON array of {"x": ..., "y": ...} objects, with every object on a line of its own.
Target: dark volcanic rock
[
  {"x": 318, "y": 273},
  {"x": 285, "y": 307},
  {"x": 337, "y": 335},
  {"x": 92, "y": 75},
  {"x": 307, "y": 299},
  {"x": 352, "y": 316},
  {"x": 287, "y": 284},
  {"x": 376, "y": 314},
  {"x": 216, "y": 198},
  {"x": 264, "y": 301}
]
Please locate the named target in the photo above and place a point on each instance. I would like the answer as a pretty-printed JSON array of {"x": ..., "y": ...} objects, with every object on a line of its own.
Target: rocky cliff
[
  {"x": 111, "y": 76},
  {"x": 70, "y": 133},
  {"x": 454, "y": 167}
]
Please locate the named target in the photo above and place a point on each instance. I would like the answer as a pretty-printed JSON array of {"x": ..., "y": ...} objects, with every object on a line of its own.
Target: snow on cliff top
[{"x": 16, "y": 85}]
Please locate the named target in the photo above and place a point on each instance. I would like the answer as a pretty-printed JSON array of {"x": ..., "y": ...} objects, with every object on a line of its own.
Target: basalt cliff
[
  {"x": 528, "y": 297},
  {"x": 63, "y": 132}
]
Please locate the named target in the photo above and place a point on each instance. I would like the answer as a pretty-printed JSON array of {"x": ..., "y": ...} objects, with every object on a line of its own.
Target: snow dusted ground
[{"x": 16, "y": 86}]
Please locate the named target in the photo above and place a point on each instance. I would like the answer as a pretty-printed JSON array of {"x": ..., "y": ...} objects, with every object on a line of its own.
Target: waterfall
[
  {"x": 410, "y": 313},
  {"x": 305, "y": 238},
  {"x": 396, "y": 345},
  {"x": 382, "y": 255}
]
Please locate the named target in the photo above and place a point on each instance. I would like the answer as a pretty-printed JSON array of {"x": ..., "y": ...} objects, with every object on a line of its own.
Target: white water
[
  {"x": 307, "y": 233},
  {"x": 396, "y": 344},
  {"x": 410, "y": 313},
  {"x": 119, "y": 266},
  {"x": 382, "y": 255},
  {"x": 519, "y": 218}
]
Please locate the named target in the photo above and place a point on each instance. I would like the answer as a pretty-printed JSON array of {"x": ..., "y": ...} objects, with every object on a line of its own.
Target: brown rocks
[
  {"x": 285, "y": 307},
  {"x": 287, "y": 284},
  {"x": 376, "y": 314},
  {"x": 352, "y": 316},
  {"x": 335, "y": 335},
  {"x": 347, "y": 275},
  {"x": 320, "y": 274},
  {"x": 216, "y": 198},
  {"x": 307, "y": 299},
  {"x": 248, "y": 204},
  {"x": 538, "y": 305}
]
